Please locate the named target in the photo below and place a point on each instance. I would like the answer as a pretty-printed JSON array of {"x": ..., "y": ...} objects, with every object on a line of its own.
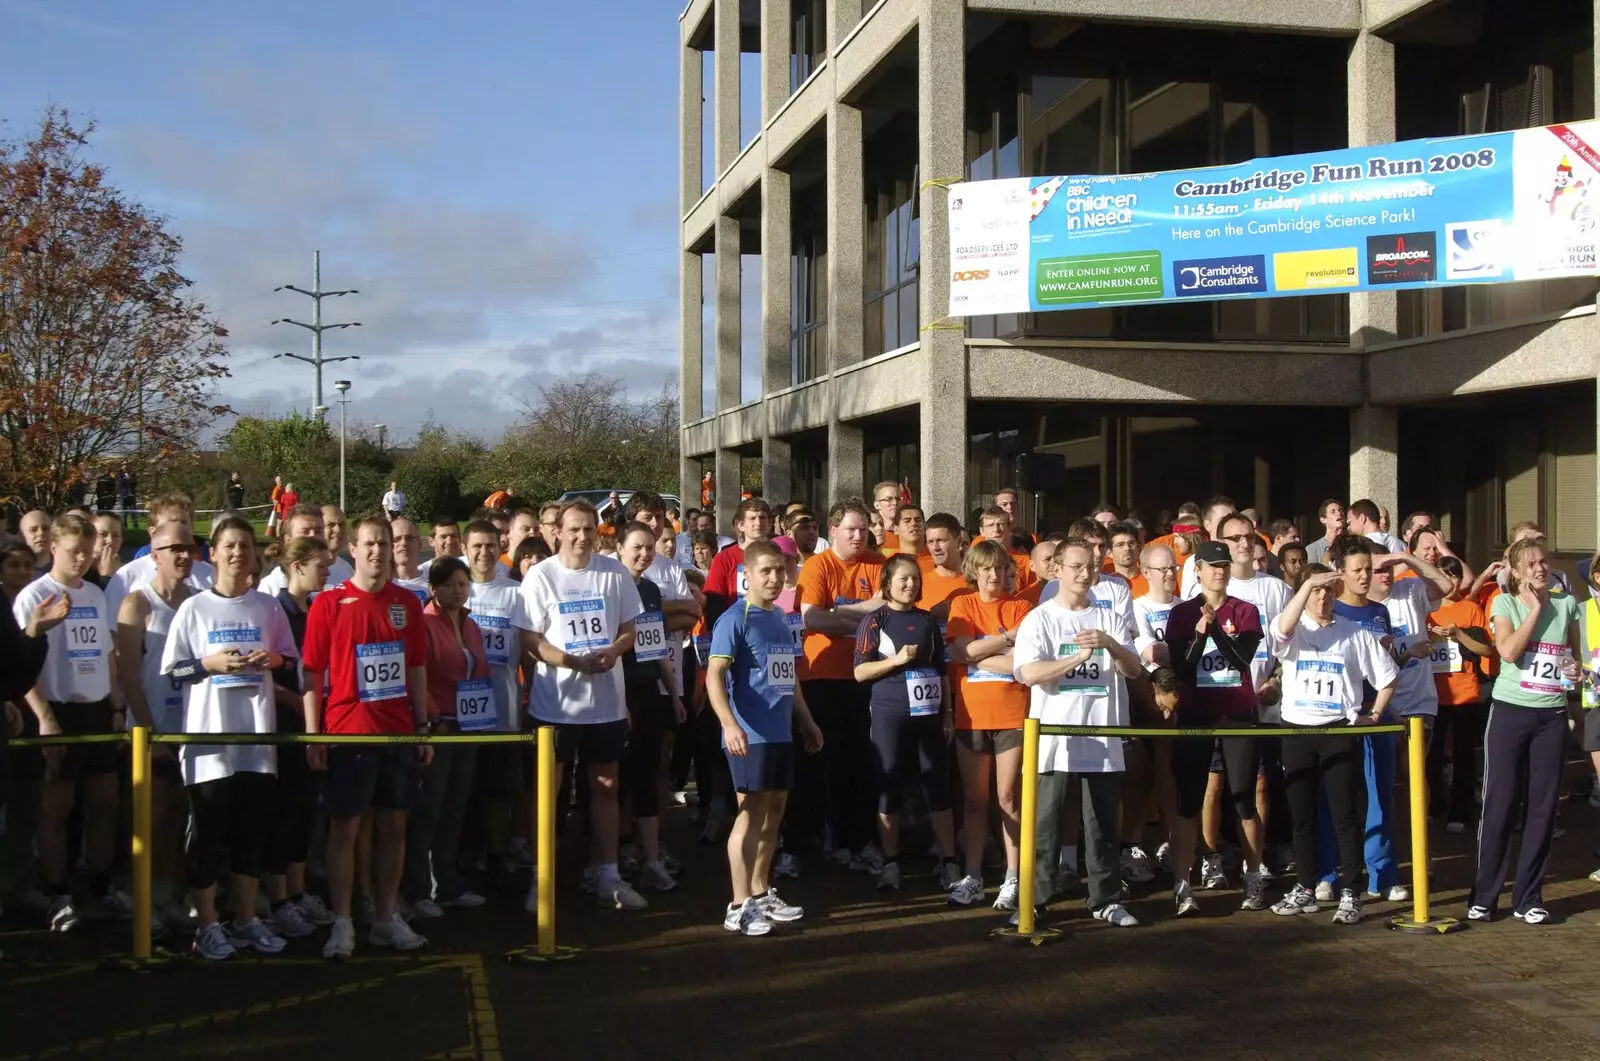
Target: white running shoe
[
  {"x": 1116, "y": 914},
  {"x": 426, "y": 909},
  {"x": 778, "y": 910},
  {"x": 467, "y": 900},
  {"x": 531, "y": 903},
  {"x": 968, "y": 890},
  {"x": 1479, "y": 913},
  {"x": 1298, "y": 901},
  {"x": 747, "y": 919},
  {"x": 839, "y": 856},
  {"x": 211, "y": 943},
  {"x": 1534, "y": 915},
  {"x": 1183, "y": 899},
  {"x": 1164, "y": 857},
  {"x": 618, "y": 894},
  {"x": 64, "y": 916},
  {"x": 1349, "y": 912},
  {"x": 291, "y": 923},
  {"x": 395, "y": 933},
  {"x": 888, "y": 877},
  {"x": 1399, "y": 894},
  {"x": 1324, "y": 892},
  {"x": 1212, "y": 875},
  {"x": 255, "y": 935},
  {"x": 1136, "y": 866},
  {"x": 341, "y": 941},
  {"x": 315, "y": 909},
  {"x": 1007, "y": 899},
  {"x": 653, "y": 877},
  {"x": 868, "y": 860},
  {"x": 786, "y": 866}
]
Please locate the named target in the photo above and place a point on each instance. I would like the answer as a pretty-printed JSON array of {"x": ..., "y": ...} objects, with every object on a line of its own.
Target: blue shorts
[{"x": 765, "y": 767}]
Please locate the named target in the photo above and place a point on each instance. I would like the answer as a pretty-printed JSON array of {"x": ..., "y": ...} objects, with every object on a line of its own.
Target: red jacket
[
  {"x": 286, "y": 502},
  {"x": 446, "y": 664}
]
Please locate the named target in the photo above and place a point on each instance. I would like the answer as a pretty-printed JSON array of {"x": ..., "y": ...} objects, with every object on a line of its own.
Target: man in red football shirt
[
  {"x": 367, "y": 638},
  {"x": 725, "y": 579}
]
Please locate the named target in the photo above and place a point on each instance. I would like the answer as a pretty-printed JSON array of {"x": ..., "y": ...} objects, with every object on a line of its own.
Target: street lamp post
[
  {"x": 383, "y": 431},
  {"x": 343, "y": 387}
]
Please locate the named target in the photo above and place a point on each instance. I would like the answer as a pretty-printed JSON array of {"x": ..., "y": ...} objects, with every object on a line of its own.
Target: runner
[
  {"x": 1363, "y": 518},
  {"x": 838, "y": 588},
  {"x": 886, "y": 505},
  {"x": 107, "y": 549},
  {"x": 1105, "y": 515},
  {"x": 911, "y": 532},
  {"x": 1326, "y": 661},
  {"x": 1212, "y": 640},
  {"x": 307, "y": 521},
  {"x": 169, "y": 508},
  {"x": 1152, "y": 610},
  {"x": 444, "y": 537},
  {"x": 288, "y": 501},
  {"x": 990, "y": 707},
  {"x": 943, "y": 576},
  {"x": 221, "y": 646},
  {"x": 394, "y": 501},
  {"x": 1331, "y": 515},
  {"x": 333, "y": 531},
  {"x": 751, "y": 686},
  {"x": 581, "y": 607},
  {"x": 995, "y": 526},
  {"x": 1124, "y": 560},
  {"x": 1536, "y": 635},
  {"x": 274, "y": 514},
  {"x": 74, "y": 694},
  {"x": 1074, "y": 657},
  {"x": 369, "y": 639},
  {"x": 1460, "y": 643},
  {"x": 1006, "y": 500},
  {"x": 1211, "y": 515},
  {"x": 1292, "y": 562},
  {"x": 725, "y": 577},
  {"x": 34, "y": 528},
  {"x": 1282, "y": 532},
  {"x": 407, "y": 547},
  {"x": 550, "y": 525},
  {"x": 899, "y": 655},
  {"x": 461, "y": 699},
  {"x": 523, "y": 524}
]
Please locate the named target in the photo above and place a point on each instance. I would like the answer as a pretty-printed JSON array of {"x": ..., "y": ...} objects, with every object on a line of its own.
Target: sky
[{"x": 499, "y": 180}]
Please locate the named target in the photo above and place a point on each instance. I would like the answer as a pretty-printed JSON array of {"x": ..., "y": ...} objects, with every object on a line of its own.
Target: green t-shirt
[{"x": 1534, "y": 680}]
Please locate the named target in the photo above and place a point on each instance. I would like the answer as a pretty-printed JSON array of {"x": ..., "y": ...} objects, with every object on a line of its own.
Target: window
[
  {"x": 808, "y": 40},
  {"x": 808, "y": 291},
  {"x": 994, "y": 150},
  {"x": 892, "y": 243}
]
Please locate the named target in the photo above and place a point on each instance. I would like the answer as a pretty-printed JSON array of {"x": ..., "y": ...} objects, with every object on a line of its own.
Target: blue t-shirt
[
  {"x": 1370, "y": 616},
  {"x": 762, "y": 649}
]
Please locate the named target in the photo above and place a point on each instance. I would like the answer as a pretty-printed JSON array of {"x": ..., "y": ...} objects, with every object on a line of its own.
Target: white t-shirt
[
  {"x": 77, "y": 663},
  {"x": 498, "y": 609},
  {"x": 394, "y": 501},
  {"x": 1111, "y": 594},
  {"x": 1092, "y": 695},
  {"x": 580, "y": 612},
  {"x": 277, "y": 580},
  {"x": 669, "y": 579},
  {"x": 1270, "y": 595},
  {"x": 1323, "y": 668},
  {"x": 141, "y": 570},
  {"x": 163, "y": 696},
  {"x": 418, "y": 586},
  {"x": 1408, "y": 606},
  {"x": 1391, "y": 543},
  {"x": 228, "y": 703},
  {"x": 1150, "y": 618}
]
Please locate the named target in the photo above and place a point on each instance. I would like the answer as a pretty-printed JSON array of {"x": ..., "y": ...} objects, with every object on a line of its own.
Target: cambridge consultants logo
[
  {"x": 1407, "y": 258},
  {"x": 1220, "y": 276},
  {"x": 1472, "y": 250}
]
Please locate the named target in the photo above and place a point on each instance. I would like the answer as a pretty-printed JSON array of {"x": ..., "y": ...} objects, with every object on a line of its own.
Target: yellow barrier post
[
  {"x": 1419, "y": 921},
  {"x": 141, "y": 854},
  {"x": 545, "y": 951},
  {"x": 1026, "y": 931}
]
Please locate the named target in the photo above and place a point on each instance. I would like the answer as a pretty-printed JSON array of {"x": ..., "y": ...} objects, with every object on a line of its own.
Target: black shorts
[
  {"x": 500, "y": 770},
  {"x": 1591, "y": 730},
  {"x": 1192, "y": 758},
  {"x": 989, "y": 741},
  {"x": 766, "y": 767},
  {"x": 598, "y": 742},
  {"x": 80, "y": 760},
  {"x": 365, "y": 776}
]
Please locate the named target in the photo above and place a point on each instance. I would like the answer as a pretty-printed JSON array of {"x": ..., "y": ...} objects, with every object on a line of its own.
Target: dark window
[
  {"x": 808, "y": 290},
  {"x": 808, "y": 40},
  {"x": 892, "y": 244}
]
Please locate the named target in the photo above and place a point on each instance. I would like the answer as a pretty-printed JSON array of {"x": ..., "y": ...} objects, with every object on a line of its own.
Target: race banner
[{"x": 1483, "y": 209}]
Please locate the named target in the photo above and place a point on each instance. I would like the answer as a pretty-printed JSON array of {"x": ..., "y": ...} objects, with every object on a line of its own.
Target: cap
[
  {"x": 1213, "y": 553},
  {"x": 787, "y": 547}
]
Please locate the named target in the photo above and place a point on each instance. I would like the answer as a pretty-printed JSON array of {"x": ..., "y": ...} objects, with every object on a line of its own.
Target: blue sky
[{"x": 499, "y": 180}]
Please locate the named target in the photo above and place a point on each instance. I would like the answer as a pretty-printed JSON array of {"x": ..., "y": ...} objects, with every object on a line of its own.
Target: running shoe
[
  {"x": 1534, "y": 915},
  {"x": 531, "y": 903},
  {"x": 1349, "y": 912},
  {"x": 395, "y": 933},
  {"x": 1137, "y": 867},
  {"x": 947, "y": 875},
  {"x": 1116, "y": 914},
  {"x": 341, "y": 941},
  {"x": 1324, "y": 891},
  {"x": 1164, "y": 857},
  {"x": 1255, "y": 893},
  {"x": 366, "y": 912},
  {"x": 747, "y": 919},
  {"x": 969, "y": 890},
  {"x": 255, "y": 935},
  {"x": 653, "y": 877},
  {"x": 868, "y": 860},
  {"x": 211, "y": 944},
  {"x": 1398, "y": 894},
  {"x": 1007, "y": 899},
  {"x": 1183, "y": 899},
  {"x": 778, "y": 910},
  {"x": 64, "y": 916},
  {"x": 1455, "y": 828},
  {"x": 839, "y": 856},
  {"x": 315, "y": 909},
  {"x": 628, "y": 860},
  {"x": 1595, "y": 876},
  {"x": 1298, "y": 901},
  {"x": 467, "y": 900},
  {"x": 618, "y": 894},
  {"x": 519, "y": 853},
  {"x": 668, "y": 863},
  {"x": 1212, "y": 877},
  {"x": 291, "y": 923},
  {"x": 1479, "y": 913},
  {"x": 888, "y": 877},
  {"x": 786, "y": 866},
  {"x": 426, "y": 909},
  {"x": 712, "y": 834},
  {"x": 589, "y": 882}
]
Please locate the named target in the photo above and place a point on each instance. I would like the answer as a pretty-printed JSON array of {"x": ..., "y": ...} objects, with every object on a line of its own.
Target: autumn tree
[{"x": 103, "y": 352}]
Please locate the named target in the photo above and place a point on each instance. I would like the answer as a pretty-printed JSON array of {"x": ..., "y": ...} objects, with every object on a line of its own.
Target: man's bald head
[{"x": 1042, "y": 560}]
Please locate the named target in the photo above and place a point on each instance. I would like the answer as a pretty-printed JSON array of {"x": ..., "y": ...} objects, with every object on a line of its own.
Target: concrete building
[{"x": 815, "y": 265}]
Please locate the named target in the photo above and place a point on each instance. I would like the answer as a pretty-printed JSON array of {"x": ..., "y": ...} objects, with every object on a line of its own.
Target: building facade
[{"x": 815, "y": 261}]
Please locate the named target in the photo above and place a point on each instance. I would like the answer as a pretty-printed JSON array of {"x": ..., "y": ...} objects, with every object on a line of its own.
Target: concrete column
[
  {"x": 774, "y": 58},
  {"x": 845, "y": 463},
  {"x": 727, "y": 473},
  {"x": 843, "y": 16},
  {"x": 690, "y": 338},
  {"x": 777, "y": 481},
  {"x": 728, "y": 310},
  {"x": 941, "y": 133},
  {"x": 1374, "y": 318},
  {"x": 845, "y": 196},
  {"x": 725, "y": 34},
  {"x": 690, "y": 171},
  {"x": 1374, "y": 449},
  {"x": 688, "y": 484},
  {"x": 777, "y": 239}
]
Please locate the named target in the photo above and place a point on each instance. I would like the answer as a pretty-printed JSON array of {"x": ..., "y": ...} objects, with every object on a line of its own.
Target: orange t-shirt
[
  {"x": 827, "y": 581},
  {"x": 1171, "y": 541},
  {"x": 993, "y": 704},
  {"x": 497, "y": 499},
  {"x": 891, "y": 542},
  {"x": 1024, "y": 564},
  {"x": 937, "y": 588},
  {"x": 1489, "y": 665},
  {"x": 1462, "y": 686}
]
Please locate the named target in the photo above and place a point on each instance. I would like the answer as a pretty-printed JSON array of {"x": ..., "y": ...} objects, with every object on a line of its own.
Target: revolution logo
[
  {"x": 1407, "y": 258},
  {"x": 1219, "y": 276}
]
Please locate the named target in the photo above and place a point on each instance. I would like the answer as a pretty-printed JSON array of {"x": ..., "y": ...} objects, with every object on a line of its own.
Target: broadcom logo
[{"x": 973, "y": 274}]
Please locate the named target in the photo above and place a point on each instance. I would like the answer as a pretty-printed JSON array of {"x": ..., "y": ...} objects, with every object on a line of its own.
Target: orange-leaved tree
[{"x": 104, "y": 356}]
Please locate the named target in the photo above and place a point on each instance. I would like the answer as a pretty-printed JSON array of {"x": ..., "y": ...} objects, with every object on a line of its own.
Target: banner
[{"x": 1483, "y": 209}]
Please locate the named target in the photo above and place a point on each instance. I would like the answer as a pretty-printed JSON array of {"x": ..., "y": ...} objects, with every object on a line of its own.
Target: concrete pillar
[
  {"x": 843, "y": 16},
  {"x": 845, "y": 196},
  {"x": 774, "y": 59},
  {"x": 776, "y": 243},
  {"x": 1374, "y": 449},
  {"x": 941, "y": 134},
  {"x": 691, "y": 338},
  {"x": 691, "y": 181},
  {"x": 725, "y": 34},
  {"x": 1374, "y": 317},
  {"x": 845, "y": 462},
  {"x": 728, "y": 309},
  {"x": 727, "y": 473},
  {"x": 777, "y": 473},
  {"x": 688, "y": 485}
]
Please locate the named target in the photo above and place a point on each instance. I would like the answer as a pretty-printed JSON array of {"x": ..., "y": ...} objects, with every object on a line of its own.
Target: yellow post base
[
  {"x": 1039, "y": 937},
  {"x": 159, "y": 958},
  {"x": 530, "y": 956},
  {"x": 1434, "y": 926}
]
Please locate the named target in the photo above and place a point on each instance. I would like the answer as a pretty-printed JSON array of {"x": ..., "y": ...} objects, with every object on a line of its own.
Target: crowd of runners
[{"x": 825, "y": 677}]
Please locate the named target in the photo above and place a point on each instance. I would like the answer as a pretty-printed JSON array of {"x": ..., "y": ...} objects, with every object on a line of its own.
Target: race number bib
[
  {"x": 1158, "y": 622},
  {"x": 1445, "y": 657},
  {"x": 741, "y": 581},
  {"x": 925, "y": 691},
  {"x": 243, "y": 640},
  {"x": 1215, "y": 672},
  {"x": 475, "y": 706},
  {"x": 780, "y": 671},
  {"x": 1088, "y": 678},
  {"x": 1541, "y": 668},
  {"x": 797, "y": 628},
  {"x": 1318, "y": 685},
  {"x": 978, "y": 674},
  {"x": 649, "y": 637},
  {"x": 1402, "y": 644},
  {"x": 380, "y": 671},
  {"x": 702, "y": 648},
  {"x": 84, "y": 646},
  {"x": 496, "y": 638},
  {"x": 583, "y": 625}
]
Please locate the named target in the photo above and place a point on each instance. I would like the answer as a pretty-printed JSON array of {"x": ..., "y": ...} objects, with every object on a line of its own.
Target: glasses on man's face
[
  {"x": 1164, "y": 570},
  {"x": 174, "y": 549},
  {"x": 1238, "y": 537}
]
